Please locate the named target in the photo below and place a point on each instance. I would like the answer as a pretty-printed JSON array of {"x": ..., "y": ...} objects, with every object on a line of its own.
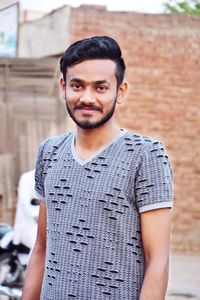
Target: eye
[
  {"x": 76, "y": 86},
  {"x": 102, "y": 88}
]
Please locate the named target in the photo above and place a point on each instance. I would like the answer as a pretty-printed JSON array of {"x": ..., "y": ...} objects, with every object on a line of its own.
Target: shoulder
[
  {"x": 146, "y": 150},
  {"x": 55, "y": 141},
  {"x": 142, "y": 143}
]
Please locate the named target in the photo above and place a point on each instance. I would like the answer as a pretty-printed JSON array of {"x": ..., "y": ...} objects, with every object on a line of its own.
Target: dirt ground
[{"x": 184, "y": 280}]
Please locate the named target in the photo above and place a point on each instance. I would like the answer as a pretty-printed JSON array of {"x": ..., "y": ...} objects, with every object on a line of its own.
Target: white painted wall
[{"x": 46, "y": 36}]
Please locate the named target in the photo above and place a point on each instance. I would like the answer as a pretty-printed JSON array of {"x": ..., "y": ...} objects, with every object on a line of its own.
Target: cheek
[
  {"x": 110, "y": 99},
  {"x": 71, "y": 96}
]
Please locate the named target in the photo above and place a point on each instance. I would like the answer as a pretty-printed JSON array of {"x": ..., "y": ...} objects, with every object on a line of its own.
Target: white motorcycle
[{"x": 13, "y": 262}]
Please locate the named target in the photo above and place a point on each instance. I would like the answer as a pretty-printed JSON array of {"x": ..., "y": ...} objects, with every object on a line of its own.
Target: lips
[{"x": 87, "y": 108}]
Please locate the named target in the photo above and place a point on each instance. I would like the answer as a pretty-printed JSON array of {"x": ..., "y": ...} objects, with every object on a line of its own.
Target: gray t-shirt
[{"x": 94, "y": 247}]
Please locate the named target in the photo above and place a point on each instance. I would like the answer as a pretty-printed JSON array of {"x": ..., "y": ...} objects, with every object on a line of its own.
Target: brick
[{"x": 163, "y": 71}]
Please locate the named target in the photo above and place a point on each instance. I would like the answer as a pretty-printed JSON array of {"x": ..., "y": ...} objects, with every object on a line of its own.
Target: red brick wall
[{"x": 162, "y": 53}]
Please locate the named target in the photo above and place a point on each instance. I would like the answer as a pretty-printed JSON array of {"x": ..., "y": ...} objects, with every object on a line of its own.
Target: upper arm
[
  {"x": 155, "y": 227},
  {"x": 41, "y": 230},
  {"x": 153, "y": 183}
]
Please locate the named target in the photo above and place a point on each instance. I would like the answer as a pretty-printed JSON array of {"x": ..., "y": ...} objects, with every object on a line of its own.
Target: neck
[{"x": 92, "y": 139}]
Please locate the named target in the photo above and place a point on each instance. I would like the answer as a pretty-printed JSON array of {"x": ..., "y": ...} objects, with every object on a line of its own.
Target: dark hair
[{"x": 96, "y": 47}]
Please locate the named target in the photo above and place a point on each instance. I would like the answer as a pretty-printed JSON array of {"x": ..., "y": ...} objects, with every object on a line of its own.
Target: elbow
[
  {"x": 160, "y": 265},
  {"x": 155, "y": 279}
]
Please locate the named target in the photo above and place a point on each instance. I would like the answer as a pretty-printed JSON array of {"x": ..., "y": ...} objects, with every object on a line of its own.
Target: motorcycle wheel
[
  {"x": 4, "y": 266},
  {"x": 7, "y": 277}
]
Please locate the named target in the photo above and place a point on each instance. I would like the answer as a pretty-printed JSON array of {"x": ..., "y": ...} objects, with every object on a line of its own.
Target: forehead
[{"x": 93, "y": 70}]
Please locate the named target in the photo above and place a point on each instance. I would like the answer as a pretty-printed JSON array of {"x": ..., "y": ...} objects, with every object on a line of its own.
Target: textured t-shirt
[{"x": 94, "y": 247}]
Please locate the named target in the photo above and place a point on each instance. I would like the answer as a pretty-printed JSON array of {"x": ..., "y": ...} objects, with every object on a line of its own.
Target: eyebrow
[{"x": 75, "y": 79}]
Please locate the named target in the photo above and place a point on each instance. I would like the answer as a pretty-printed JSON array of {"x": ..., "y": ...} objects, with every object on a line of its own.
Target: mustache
[{"x": 83, "y": 106}]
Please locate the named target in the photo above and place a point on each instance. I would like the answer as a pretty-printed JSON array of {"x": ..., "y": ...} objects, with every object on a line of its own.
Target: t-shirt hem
[{"x": 166, "y": 204}]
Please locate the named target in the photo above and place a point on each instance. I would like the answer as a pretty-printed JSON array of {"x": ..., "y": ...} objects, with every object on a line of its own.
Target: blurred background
[{"x": 160, "y": 41}]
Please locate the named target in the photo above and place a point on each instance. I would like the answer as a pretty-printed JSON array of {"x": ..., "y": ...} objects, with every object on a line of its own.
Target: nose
[{"x": 87, "y": 97}]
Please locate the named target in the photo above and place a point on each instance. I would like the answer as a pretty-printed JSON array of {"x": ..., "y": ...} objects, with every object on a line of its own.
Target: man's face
[{"x": 91, "y": 92}]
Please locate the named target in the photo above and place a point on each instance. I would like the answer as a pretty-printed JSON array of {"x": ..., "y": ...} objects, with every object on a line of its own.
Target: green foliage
[{"x": 188, "y": 7}]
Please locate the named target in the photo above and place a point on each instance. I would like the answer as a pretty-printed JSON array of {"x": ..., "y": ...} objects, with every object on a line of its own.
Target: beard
[{"x": 87, "y": 124}]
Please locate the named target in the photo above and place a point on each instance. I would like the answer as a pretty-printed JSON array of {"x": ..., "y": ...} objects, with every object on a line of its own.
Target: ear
[
  {"x": 63, "y": 88},
  {"x": 121, "y": 92}
]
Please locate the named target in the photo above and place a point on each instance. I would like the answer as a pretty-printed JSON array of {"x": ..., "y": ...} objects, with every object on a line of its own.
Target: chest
[{"x": 106, "y": 183}]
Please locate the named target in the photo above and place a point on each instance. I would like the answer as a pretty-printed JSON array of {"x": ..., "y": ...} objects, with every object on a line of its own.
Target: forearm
[
  {"x": 34, "y": 276},
  {"x": 155, "y": 281}
]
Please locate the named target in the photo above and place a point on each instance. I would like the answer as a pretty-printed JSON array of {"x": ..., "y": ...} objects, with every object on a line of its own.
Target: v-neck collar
[{"x": 96, "y": 153}]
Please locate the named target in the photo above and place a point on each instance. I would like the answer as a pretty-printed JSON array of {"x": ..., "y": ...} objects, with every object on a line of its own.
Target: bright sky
[{"x": 146, "y": 6}]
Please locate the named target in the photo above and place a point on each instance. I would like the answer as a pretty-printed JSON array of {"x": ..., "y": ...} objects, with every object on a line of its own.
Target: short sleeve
[
  {"x": 39, "y": 176},
  {"x": 153, "y": 185}
]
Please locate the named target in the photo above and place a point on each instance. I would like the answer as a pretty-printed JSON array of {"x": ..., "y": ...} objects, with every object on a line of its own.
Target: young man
[{"x": 104, "y": 221}]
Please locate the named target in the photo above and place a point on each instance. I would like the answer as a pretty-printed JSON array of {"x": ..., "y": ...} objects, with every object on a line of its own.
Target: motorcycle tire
[{"x": 6, "y": 277}]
